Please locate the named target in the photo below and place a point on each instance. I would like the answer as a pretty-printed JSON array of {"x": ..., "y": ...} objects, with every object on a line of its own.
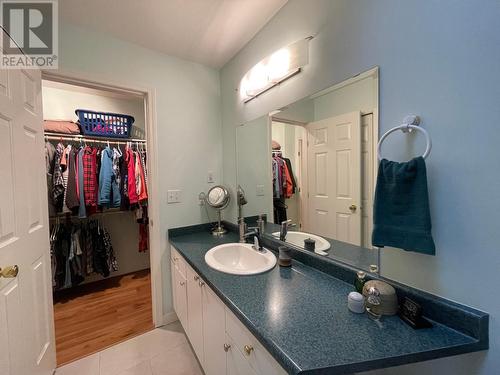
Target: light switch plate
[
  {"x": 174, "y": 196},
  {"x": 260, "y": 190}
]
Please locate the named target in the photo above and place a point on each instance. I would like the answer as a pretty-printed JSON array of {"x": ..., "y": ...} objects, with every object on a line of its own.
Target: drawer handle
[
  {"x": 196, "y": 277},
  {"x": 201, "y": 283},
  {"x": 248, "y": 349},
  {"x": 182, "y": 283},
  {"x": 176, "y": 259},
  {"x": 227, "y": 347}
]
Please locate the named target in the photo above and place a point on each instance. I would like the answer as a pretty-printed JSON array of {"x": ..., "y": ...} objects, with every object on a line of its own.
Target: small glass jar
[{"x": 360, "y": 281}]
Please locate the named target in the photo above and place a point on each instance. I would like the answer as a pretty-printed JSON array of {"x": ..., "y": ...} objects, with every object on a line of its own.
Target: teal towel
[{"x": 401, "y": 215}]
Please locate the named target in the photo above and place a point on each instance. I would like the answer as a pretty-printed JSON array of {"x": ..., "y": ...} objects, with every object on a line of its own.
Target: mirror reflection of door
[
  {"x": 331, "y": 163},
  {"x": 334, "y": 177}
]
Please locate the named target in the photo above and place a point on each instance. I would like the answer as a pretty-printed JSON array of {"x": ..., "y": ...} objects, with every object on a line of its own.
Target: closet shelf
[{"x": 79, "y": 137}]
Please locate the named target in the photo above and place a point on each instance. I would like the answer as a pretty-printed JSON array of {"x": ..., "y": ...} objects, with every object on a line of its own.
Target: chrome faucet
[
  {"x": 254, "y": 231},
  {"x": 284, "y": 228}
]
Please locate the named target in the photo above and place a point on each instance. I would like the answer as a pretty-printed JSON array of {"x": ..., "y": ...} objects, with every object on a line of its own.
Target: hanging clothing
[
  {"x": 131, "y": 186},
  {"x": 143, "y": 191},
  {"x": 90, "y": 176},
  {"x": 143, "y": 163},
  {"x": 72, "y": 199},
  {"x": 82, "y": 212},
  {"x": 143, "y": 238},
  {"x": 138, "y": 180},
  {"x": 57, "y": 178},
  {"x": 109, "y": 190},
  {"x": 279, "y": 210},
  {"x": 50, "y": 153},
  {"x": 292, "y": 176},
  {"x": 125, "y": 203},
  {"x": 65, "y": 167},
  {"x": 288, "y": 188},
  {"x": 79, "y": 250}
]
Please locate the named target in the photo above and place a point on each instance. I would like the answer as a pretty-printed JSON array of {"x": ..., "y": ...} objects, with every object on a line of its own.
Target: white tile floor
[{"x": 163, "y": 351}]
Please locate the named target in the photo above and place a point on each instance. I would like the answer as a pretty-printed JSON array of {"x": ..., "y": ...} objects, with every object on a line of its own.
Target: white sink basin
[
  {"x": 297, "y": 239},
  {"x": 240, "y": 259}
]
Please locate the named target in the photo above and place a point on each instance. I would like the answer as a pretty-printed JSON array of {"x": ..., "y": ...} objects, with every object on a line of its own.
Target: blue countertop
[{"x": 300, "y": 316}]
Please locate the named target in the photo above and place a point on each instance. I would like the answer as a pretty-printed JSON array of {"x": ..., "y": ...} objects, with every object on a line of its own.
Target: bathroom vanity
[{"x": 295, "y": 320}]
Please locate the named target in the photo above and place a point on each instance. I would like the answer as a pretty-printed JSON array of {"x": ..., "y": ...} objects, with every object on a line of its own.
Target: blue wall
[{"x": 440, "y": 60}]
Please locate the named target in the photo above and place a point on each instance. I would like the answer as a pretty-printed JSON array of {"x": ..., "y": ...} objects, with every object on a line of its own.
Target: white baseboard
[{"x": 169, "y": 317}]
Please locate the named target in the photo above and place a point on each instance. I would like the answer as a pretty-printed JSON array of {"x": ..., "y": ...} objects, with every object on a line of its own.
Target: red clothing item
[
  {"x": 288, "y": 192},
  {"x": 143, "y": 238},
  {"x": 132, "y": 192},
  {"x": 144, "y": 188},
  {"x": 90, "y": 183}
]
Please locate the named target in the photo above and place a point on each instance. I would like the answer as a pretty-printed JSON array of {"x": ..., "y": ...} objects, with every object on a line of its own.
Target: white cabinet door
[
  {"x": 173, "y": 281},
  {"x": 27, "y": 344},
  {"x": 236, "y": 363},
  {"x": 181, "y": 298},
  {"x": 214, "y": 338},
  {"x": 195, "y": 312}
]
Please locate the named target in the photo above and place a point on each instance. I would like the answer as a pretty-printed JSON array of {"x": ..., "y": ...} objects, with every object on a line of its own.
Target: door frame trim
[{"x": 149, "y": 94}]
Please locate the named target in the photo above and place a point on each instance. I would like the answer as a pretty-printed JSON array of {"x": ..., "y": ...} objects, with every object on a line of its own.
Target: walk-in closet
[{"x": 97, "y": 186}]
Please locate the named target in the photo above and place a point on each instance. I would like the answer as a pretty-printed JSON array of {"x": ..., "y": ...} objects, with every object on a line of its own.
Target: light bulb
[{"x": 278, "y": 65}]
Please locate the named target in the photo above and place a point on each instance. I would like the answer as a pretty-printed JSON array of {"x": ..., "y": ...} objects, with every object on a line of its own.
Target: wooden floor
[{"x": 95, "y": 316}]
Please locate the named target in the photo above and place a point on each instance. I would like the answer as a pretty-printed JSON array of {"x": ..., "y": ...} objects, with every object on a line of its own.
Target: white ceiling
[{"x": 210, "y": 32}]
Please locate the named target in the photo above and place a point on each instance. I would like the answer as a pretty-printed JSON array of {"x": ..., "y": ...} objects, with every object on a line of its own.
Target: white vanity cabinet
[
  {"x": 195, "y": 312},
  {"x": 179, "y": 286},
  {"x": 214, "y": 335},
  {"x": 223, "y": 345}
]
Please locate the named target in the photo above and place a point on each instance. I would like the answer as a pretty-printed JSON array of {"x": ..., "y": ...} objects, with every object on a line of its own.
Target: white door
[
  {"x": 334, "y": 177},
  {"x": 214, "y": 336},
  {"x": 195, "y": 312},
  {"x": 27, "y": 345}
]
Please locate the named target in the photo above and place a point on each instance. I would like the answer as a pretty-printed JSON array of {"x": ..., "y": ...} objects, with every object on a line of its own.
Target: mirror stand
[{"x": 219, "y": 230}]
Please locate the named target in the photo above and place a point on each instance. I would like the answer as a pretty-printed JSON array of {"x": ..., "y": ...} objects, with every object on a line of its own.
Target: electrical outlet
[
  {"x": 210, "y": 177},
  {"x": 260, "y": 190},
  {"x": 174, "y": 196}
]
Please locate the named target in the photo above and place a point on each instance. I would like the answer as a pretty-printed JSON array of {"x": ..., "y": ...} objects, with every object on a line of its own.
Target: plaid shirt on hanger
[{"x": 90, "y": 176}]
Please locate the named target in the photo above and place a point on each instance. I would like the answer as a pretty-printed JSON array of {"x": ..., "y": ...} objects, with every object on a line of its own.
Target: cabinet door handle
[
  {"x": 201, "y": 283},
  {"x": 196, "y": 277},
  {"x": 248, "y": 349},
  {"x": 182, "y": 283},
  {"x": 227, "y": 347}
]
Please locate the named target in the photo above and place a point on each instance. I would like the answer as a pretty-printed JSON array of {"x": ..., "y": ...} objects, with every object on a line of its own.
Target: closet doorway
[{"x": 102, "y": 245}]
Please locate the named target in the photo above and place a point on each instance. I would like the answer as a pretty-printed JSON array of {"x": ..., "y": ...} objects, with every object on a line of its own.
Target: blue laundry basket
[{"x": 104, "y": 124}]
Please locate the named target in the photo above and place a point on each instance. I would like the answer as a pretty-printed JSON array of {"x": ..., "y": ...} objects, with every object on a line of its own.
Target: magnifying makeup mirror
[{"x": 218, "y": 197}]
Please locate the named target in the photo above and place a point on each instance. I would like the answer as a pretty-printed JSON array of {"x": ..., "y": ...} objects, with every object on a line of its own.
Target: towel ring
[{"x": 406, "y": 128}]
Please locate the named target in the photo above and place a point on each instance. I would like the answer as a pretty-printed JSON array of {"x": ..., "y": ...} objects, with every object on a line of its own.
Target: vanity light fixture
[{"x": 274, "y": 69}]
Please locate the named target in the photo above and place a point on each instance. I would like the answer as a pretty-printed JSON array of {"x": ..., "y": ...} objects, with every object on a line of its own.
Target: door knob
[
  {"x": 227, "y": 347},
  {"x": 9, "y": 272},
  {"x": 182, "y": 283},
  {"x": 353, "y": 207},
  {"x": 248, "y": 349}
]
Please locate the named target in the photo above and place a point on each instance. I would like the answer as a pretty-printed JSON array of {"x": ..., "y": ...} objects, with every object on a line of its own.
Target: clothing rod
[{"x": 78, "y": 137}]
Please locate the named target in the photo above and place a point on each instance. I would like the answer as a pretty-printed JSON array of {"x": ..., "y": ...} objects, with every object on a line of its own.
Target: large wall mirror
[{"x": 313, "y": 163}]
